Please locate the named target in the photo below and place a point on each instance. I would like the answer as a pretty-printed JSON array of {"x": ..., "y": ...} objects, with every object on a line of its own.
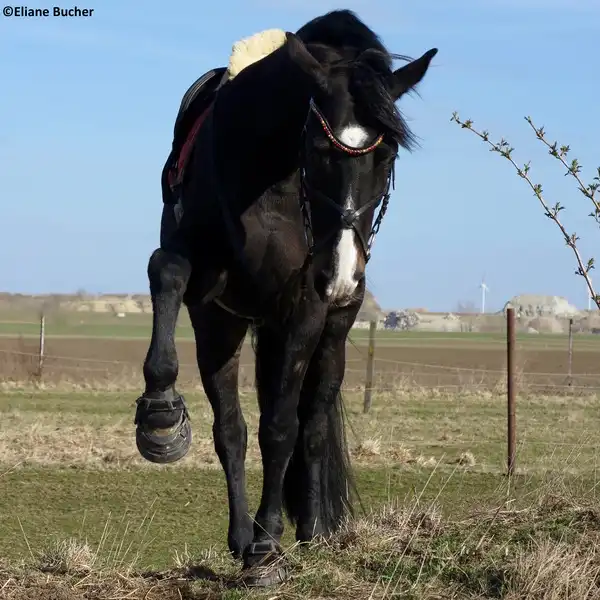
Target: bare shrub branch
[{"x": 560, "y": 152}]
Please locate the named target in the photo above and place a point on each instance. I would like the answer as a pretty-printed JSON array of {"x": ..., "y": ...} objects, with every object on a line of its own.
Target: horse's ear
[
  {"x": 408, "y": 76},
  {"x": 301, "y": 56}
]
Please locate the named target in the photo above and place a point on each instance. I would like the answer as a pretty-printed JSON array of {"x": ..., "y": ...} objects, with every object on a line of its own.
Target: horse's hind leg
[
  {"x": 163, "y": 432},
  {"x": 219, "y": 338}
]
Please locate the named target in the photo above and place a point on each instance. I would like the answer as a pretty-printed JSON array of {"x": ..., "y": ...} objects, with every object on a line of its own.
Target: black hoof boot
[
  {"x": 163, "y": 434},
  {"x": 264, "y": 565}
]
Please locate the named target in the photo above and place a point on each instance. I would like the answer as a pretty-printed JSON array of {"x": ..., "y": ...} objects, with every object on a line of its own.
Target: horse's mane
[
  {"x": 342, "y": 29},
  {"x": 340, "y": 38}
]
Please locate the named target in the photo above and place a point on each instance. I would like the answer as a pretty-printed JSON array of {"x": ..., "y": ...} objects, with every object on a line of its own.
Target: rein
[{"x": 349, "y": 218}]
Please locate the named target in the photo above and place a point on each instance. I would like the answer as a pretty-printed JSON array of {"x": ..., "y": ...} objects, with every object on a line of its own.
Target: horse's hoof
[
  {"x": 163, "y": 434},
  {"x": 263, "y": 565},
  {"x": 263, "y": 577}
]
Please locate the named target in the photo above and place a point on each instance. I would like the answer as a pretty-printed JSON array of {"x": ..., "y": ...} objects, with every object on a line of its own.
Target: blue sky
[{"x": 88, "y": 107}]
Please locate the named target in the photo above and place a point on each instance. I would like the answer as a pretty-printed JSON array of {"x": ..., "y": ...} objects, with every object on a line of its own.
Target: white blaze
[
  {"x": 354, "y": 136},
  {"x": 345, "y": 259}
]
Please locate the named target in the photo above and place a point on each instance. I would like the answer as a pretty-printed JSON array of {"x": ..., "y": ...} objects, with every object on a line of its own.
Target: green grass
[
  {"x": 69, "y": 469},
  {"x": 112, "y": 329},
  {"x": 79, "y": 467},
  {"x": 140, "y": 326},
  {"x": 134, "y": 326},
  {"x": 163, "y": 510},
  {"x": 534, "y": 541},
  {"x": 449, "y": 521}
]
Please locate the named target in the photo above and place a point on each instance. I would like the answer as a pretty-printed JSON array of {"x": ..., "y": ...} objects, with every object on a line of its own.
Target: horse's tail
[{"x": 337, "y": 486}]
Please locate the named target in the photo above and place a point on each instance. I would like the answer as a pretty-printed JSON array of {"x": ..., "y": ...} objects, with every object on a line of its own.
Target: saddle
[
  {"x": 199, "y": 99},
  {"x": 195, "y": 106}
]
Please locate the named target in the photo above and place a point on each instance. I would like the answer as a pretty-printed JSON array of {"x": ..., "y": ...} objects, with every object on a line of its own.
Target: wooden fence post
[
  {"x": 370, "y": 367},
  {"x": 570, "y": 364},
  {"x": 42, "y": 344},
  {"x": 510, "y": 388}
]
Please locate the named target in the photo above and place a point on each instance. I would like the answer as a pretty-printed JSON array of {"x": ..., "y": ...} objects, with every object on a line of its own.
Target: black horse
[{"x": 276, "y": 185}]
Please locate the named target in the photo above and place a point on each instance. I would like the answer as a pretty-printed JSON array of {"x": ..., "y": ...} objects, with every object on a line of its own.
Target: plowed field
[{"x": 447, "y": 362}]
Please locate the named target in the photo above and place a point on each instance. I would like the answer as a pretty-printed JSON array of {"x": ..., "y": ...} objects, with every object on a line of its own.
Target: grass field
[
  {"x": 83, "y": 516},
  {"x": 135, "y": 326},
  {"x": 70, "y": 471}
]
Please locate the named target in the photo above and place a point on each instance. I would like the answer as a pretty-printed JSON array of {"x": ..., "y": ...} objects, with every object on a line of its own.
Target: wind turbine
[{"x": 484, "y": 290}]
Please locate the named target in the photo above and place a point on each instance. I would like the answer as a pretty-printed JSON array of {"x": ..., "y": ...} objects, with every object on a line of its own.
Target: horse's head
[
  {"x": 328, "y": 91},
  {"x": 352, "y": 137}
]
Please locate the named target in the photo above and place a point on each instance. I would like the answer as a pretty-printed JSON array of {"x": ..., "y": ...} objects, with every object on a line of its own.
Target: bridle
[{"x": 348, "y": 218}]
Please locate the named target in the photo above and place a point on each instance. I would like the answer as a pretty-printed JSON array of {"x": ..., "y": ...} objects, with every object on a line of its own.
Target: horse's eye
[{"x": 319, "y": 143}]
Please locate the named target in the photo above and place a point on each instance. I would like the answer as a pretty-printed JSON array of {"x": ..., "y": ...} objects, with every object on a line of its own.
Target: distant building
[{"x": 532, "y": 305}]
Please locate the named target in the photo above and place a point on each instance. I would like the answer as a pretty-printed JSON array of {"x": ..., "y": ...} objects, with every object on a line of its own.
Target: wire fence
[
  {"x": 422, "y": 409},
  {"x": 388, "y": 374}
]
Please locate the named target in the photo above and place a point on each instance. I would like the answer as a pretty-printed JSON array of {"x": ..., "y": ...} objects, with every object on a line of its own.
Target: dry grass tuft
[
  {"x": 68, "y": 557},
  {"x": 466, "y": 459},
  {"x": 368, "y": 448},
  {"x": 551, "y": 570}
]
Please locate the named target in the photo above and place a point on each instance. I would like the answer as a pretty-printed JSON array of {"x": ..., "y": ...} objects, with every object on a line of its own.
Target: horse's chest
[{"x": 269, "y": 260}]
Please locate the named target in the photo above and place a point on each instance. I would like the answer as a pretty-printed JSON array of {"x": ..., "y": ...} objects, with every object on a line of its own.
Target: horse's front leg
[
  {"x": 163, "y": 433},
  {"x": 318, "y": 486},
  {"x": 219, "y": 338},
  {"x": 281, "y": 361}
]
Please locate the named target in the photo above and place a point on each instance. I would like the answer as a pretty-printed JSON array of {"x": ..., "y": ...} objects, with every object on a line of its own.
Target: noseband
[{"x": 348, "y": 218}]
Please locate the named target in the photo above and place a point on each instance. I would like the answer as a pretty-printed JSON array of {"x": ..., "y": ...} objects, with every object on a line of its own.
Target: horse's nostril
[{"x": 322, "y": 279}]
